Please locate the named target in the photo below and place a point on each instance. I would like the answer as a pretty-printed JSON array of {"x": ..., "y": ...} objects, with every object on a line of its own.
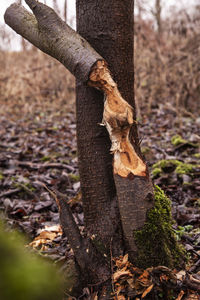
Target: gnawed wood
[
  {"x": 118, "y": 119},
  {"x": 130, "y": 172}
]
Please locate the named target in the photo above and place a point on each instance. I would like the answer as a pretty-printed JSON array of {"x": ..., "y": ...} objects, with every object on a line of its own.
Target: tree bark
[
  {"x": 112, "y": 37},
  {"x": 65, "y": 11}
]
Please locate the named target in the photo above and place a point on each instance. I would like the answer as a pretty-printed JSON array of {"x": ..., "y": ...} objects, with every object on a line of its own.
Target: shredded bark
[{"x": 118, "y": 119}]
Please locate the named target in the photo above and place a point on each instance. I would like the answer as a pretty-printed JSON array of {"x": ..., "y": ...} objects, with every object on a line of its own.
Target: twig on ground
[{"x": 10, "y": 192}]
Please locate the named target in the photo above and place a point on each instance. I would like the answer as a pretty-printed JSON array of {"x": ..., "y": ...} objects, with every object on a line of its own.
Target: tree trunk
[
  {"x": 158, "y": 9},
  {"x": 108, "y": 37},
  {"x": 112, "y": 37}
]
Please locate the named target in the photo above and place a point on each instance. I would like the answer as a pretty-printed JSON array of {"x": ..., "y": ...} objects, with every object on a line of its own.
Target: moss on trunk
[{"x": 156, "y": 240}]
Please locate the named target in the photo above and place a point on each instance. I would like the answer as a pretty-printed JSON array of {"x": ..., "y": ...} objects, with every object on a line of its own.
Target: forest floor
[{"x": 38, "y": 160}]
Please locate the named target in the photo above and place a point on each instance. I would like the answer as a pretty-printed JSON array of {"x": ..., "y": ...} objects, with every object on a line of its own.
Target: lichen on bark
[{"x": 156, "y": 240}]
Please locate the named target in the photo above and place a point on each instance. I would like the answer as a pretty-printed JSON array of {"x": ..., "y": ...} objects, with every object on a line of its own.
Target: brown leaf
[
  {"x": 120, "y": 273},
  {"x": 121, "y": 297},
  {"x": 147, "y": 291},
  {"x": 125, "y": 260},
  {"x": 144, "y": 279},
  {"x": 180, "y": 295},
  {"x": 192, "y": 297},
  {"x": 46, "y": 235}
]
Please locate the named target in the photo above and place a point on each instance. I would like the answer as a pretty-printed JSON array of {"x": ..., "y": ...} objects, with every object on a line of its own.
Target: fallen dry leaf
[
  {"x": 144, "y": 279},
  {"x": 123, "y": 272},
  {"x": 120, "y": 297},
  {"x": 180, "y": 295},
  {"x": 48, "y": 234},
  {"x": 180, "y": 275},
  {"x": 192, "y": 297},
  {"x": 147, "y": 291},
  {"x": 122, "y": 261}
]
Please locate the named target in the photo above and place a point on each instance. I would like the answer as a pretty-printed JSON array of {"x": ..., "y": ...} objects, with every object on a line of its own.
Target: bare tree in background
[
  {"x": 141, "y": 7},
  {"x": 157, "y": 14},
  {"x": 56, "y": 7},
  {"x": 23, "y": 42},
  {"x": 65, "y": 11}
]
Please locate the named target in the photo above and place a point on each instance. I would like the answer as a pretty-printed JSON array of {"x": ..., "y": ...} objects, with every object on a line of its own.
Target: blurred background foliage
[{"x": 167, "y": 59}]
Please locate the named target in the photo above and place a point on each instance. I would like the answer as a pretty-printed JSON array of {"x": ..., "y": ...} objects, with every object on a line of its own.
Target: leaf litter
[{"x": 40, "y": 150}]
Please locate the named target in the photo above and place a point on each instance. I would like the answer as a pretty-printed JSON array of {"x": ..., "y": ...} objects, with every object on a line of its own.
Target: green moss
[
  {"x": 71, "y": 279},
  {"x": 156, "y": 172},
  {"x": 183, "y": 168},
  {"x": 1, "y": 176},
  {"x": 24, "y": 186},
  {"x": 156, "y": 241},
  {"x": 46, "y": 158},
  {"x": 177, "y": 140},
  {"x": 74, "y": 177},
  {"x": 170, "y": 165},
  {"x": 181, "y": 230},
  {"x": 23, "y": 274},
  {"x": 197, "y": 155}
]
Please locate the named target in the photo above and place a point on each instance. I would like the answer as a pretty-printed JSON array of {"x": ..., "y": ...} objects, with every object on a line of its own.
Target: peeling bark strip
[
  {"x": 49, "y": 33},
  {"x": 118, "y": 119}
]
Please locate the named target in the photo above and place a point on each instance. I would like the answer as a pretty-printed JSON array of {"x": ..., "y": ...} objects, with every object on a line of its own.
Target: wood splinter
[{"x": 118, "y": 119}]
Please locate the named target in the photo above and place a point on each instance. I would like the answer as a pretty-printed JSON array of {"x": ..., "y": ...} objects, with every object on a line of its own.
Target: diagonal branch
[
  {"x": 89, "y": 259},
  {"x": 45, "y": 30}
]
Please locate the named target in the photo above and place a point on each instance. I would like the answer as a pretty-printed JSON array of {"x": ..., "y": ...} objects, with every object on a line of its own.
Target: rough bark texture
[
  {"x": 95, "y": 160},
  {"x": 49, "y": 33},
  {"x": 108, "y": 26},
  {"x": 88, "y": 257}
]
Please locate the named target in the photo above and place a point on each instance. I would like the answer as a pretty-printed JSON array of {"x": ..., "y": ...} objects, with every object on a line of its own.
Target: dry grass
[
  {"x": 30, "y": 81},
  {"x": 167, "y": 68}
]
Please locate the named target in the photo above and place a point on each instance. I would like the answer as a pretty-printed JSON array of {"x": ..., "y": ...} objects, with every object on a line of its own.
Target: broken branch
[{"x": 88, "y": 258}]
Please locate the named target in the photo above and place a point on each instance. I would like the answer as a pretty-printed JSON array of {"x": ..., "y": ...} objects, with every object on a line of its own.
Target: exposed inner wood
[{"x": 118, "y": 119}]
